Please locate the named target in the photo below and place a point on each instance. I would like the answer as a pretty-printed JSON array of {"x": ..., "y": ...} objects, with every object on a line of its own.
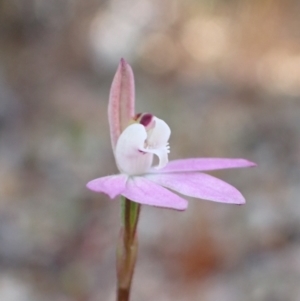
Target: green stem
[{"x": 127, "y": 248}]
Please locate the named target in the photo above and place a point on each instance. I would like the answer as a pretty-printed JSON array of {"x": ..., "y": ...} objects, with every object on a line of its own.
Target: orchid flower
[{"x": 136, "y": 139}]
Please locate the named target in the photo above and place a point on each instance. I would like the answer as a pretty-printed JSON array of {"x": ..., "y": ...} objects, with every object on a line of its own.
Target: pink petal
[
  {"x": 199, "y": 185},
  {"x": 203, "y": 164},
  {"x": 121, "y": 101},
  {"x": 143, "y": 191},
  {"x": 111, "y": 185}
]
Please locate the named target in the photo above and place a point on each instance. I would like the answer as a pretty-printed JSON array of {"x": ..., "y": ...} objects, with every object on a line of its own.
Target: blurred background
[{"x": 224, "y": 74}]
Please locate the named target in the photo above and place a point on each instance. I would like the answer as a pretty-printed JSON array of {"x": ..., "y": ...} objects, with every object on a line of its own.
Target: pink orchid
[{"x": 136, "y": 139}]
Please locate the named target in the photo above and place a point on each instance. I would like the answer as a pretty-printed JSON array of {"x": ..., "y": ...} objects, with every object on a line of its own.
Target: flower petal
[
  {"x": 121, "y": 101},
  {"x": 160, "y": 134},
  {"x": 157, "y": 142},
  {"x": 129, "y": 156},
  {"x": 161, "y": 153},
  {"x": 199, "y": 185},
  {"x": 111, "y": 185},
  {"x": 143, "y": 191},
  {"x": 203, "y": 164}
]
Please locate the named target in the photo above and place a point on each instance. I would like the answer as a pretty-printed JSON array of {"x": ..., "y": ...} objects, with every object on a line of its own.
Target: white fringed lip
[{"x": 138, "y": 143}]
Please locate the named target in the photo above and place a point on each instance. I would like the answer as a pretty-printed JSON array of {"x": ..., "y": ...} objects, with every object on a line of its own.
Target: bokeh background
[{"x": 224, "y": 74}]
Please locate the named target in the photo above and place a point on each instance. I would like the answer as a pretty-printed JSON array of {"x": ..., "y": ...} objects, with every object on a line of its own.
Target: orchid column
[{"x": 136, "y": 139}]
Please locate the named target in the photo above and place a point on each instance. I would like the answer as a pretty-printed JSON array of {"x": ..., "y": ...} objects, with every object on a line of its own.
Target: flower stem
[{"x": 127, "y": 248}]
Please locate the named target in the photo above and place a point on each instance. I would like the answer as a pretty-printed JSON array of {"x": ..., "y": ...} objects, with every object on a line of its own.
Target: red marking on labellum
[{"x": 146, "y": 119}]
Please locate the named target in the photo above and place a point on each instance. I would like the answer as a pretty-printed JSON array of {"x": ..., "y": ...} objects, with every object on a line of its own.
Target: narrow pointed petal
[
  {"x": 143, "y": 191},
  {"x": 121, "y": 101},
  {"x": 111, "y": 185},
  {"x": 199, "y": 185},
  {"x": 203, "y": 164}
]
